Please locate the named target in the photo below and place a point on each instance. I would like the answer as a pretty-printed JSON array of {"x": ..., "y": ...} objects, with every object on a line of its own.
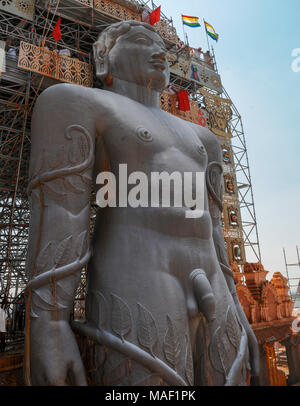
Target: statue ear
[{"x": 101, "y": 61}]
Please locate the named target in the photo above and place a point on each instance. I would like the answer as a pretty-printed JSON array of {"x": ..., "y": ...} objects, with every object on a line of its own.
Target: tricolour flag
[
  {"x": 190, "y": 21},
  {"x": 210, "y": 31}
]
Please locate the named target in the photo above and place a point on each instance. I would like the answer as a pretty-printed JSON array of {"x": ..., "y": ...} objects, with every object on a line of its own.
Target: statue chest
[{"x": 154, "y": 141}]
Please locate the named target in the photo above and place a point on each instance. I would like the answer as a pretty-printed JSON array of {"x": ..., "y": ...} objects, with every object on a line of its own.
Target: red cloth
[
  {"x": 183, "y": 100},
  {"x": 155, "y": 16},
  {"x": 56, "y": 34}
]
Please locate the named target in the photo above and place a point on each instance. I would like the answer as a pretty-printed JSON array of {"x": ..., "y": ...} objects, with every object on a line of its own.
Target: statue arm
[
  {"x": 214, "y": 182},
  {"x": 61, "y": 165}
]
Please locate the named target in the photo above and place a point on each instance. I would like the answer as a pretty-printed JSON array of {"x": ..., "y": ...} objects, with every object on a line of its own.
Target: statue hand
[
  {"x": 55, "y": 358},
  {"x": 252, "y": 341}
]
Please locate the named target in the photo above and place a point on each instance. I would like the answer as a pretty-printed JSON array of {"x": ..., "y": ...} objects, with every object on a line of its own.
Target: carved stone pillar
[
  {"x": 263, "y": 373},
  {"x": 292, "y": 345}
]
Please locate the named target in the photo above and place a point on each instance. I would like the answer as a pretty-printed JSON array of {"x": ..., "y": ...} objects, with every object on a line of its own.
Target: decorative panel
[
  {"x": 116, "y": 10},
  {"x": 59, "y": 67},
  {"x": 21, "y": 8},
  {"x": 220, "y": 113},
  {"x": 235, "y": 246},
  {"x": 167, "y": 31},
  {"x": 168, "y": 102},
  {"x": 87, "y": 3},
  {"x": 191, "y": 68}
]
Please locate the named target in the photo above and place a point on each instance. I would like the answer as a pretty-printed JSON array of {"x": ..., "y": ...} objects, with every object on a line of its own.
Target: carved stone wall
[
  {"x": 270, "y": 309},
  {"x": 220, "y": 113},
  {"x": 190, "y": 68},
  {"x": 281, "y": 285},
  {"x": 116, "y": 10},
  {"x": 121, "y": 11},
  {"x": 268, "y": 301},
  {"x": 21, "y": 8},
  {"x": 59, "y": 67},
  {"x": 168, "y": 102},
  {"x": 250, "y": 306}
]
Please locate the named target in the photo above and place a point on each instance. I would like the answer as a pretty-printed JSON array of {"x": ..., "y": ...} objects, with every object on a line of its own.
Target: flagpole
[
  {"x": 214, "y": 56},
  {"x": 184, "y": 33},
  {"x": 206, "y": 35}
]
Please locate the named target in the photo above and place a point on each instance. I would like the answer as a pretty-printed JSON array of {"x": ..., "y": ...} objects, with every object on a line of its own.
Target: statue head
[{"x": 132, "y": 51}]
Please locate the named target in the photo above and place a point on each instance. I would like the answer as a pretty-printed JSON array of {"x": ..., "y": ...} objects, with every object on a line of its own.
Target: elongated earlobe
[
  {"x": 101, "y": 63},
  {"x": 109, "y": 80}
]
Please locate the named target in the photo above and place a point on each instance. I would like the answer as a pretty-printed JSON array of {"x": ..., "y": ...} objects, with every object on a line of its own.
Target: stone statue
[{"x": 161, "y": 304}]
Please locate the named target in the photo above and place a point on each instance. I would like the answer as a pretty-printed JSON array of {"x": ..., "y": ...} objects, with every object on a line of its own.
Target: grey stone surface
[
  {"x": 292, "y": 345},
  {"x": 161, "y": 301}
]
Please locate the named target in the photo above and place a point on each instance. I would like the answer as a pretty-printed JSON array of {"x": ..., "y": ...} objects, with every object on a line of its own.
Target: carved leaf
[
  {"x": 118, "y": 375},
  {"x": 172, "y": 347},
  {"x": 81, "y": 244},
  {"x": 65, "y": 294},
  {"x": 214, "y": 352},
  {"x": 100, "y": 308},
  {"x": 71, "y": 188},
  {"x": 34, "y": 197},
  {"x": 189, "y": 367},
  {"x": 38, "y": 166},
  {"x": 45, "y": 303},
  {"x": 33, "y": 315},
  {"x": 121, "y": 318},
  {"x": 45, "y": 259},
  {"x": 223, "y": 352},
  {"x": 59, "y": 159},
  {"x": 96, "y": 308},
  {"x": 63, "y": 252},
  {"x": 74, "y": 154},
  {"x": 43, "y": 162},
  {"x": 232, "y": 328},
  {"x": 147, "y": 330},
  {"x": 78, "y": 181},
  {"x": 150, "y": 380},
  {"x": 82, "y": 146},
  {"x": 86, "y": 179},
  {"x": 218, "y": 353},
  {"x": 54, "y": 194}
]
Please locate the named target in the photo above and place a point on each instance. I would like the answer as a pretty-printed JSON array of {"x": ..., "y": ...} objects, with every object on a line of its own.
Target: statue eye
[{"x": 142, "y": 40}]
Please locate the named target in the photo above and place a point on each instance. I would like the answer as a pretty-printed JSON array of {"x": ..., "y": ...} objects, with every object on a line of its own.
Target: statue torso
[{"x": 143, "y": 257}]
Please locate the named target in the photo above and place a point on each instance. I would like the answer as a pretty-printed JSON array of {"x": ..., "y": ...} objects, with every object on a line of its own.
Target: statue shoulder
[
  {"x": 210, "y": 142},
  {"x": 67, "y": 99}
]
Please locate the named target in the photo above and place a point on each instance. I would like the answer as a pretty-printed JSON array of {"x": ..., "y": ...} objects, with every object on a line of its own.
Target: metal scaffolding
[
  {"x": 244, "y": 184},
  {"x": 81, "y": 22},
  {"x": 293, "y": 277}
]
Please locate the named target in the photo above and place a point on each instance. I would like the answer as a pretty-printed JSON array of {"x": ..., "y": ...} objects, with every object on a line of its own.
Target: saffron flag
[
  {"x": 183, "y": 101},
  {"x": 56, "y": 34},
  {"x": 190, "y": 21},
  {"x": 210, "y": 31},
  {"x": 155, "y": 16}
]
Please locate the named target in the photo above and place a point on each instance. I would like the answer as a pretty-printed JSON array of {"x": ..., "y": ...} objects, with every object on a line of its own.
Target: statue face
[{"x": 139, "y": 56}]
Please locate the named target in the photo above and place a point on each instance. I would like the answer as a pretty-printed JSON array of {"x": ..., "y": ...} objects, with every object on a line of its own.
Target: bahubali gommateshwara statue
[{"x": 161, "y": 303}]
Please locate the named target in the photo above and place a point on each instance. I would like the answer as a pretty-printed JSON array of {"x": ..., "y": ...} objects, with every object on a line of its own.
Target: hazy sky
[{"x": 254, "y": 57}]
